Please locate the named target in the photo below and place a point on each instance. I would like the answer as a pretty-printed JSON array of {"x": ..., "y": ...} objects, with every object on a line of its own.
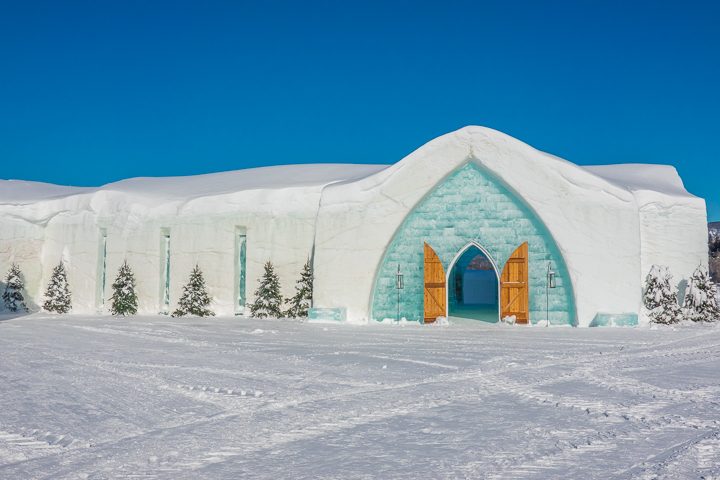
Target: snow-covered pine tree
[
  {"x": 195, "y": 299},
  {"x": 268, "y": 300},
  {"x": 57, "y": 295},
  {"x": 299, "y": 304},
  {"x": 124, "y": 299},
  {"x": 12, "y": 296},
  {"x": 660, "y": 297},
  {"x": 701, "y": 297}
]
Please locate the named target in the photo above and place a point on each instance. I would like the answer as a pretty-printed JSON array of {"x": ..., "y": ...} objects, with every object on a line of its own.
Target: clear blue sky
[{"x": 91, "y": 92}]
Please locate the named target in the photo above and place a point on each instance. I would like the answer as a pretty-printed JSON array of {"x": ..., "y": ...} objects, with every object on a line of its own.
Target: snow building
[{"x": 475, "y": 224}]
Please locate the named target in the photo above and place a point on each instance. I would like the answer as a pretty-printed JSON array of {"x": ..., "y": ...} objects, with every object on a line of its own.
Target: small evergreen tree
[
  {"x": 268, "y": 300},
  {"x": 301, "y": 301},
  {"x": 57, "y": 295},
  {"x": 660, "y": 297},
  {"x": 701, "y": 298},
  {"x": 195, "y": 299},
  {"x": 124, "y": 299},
  {"x": 14, "y": 285}
]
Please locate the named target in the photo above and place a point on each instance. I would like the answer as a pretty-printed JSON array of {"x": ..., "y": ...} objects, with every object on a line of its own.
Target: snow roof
[
  {"x": 637, "y": 176},
  {"x": 631, "y": 177},
  {"x": 23, "y": 191},
  {"x": 274, "y": 177}
]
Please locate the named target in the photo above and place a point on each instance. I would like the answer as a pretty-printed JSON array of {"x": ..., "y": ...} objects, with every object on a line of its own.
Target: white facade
[{"x": 611, "y": 223}]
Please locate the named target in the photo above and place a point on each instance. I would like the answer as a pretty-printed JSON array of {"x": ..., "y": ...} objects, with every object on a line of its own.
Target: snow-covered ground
[{"x": 156, "y": 397}]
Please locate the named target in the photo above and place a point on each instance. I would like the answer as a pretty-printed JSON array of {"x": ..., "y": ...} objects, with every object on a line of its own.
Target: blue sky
[{"x": 96, "y": 91}]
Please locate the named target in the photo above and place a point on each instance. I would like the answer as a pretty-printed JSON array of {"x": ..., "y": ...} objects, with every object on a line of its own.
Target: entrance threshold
[{"x": 483, "y": 313}]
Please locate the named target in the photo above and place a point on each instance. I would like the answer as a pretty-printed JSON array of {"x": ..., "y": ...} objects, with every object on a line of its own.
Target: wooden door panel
[
  {"x": 514, "y": 298},
  {"x": 435, "y": 288}
]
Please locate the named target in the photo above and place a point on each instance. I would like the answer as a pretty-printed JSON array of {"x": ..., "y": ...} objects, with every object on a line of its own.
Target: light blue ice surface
[{"x": 615, "y": 320}]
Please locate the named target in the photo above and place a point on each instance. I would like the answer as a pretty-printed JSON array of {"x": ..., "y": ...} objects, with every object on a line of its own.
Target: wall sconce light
[
  {"x": 548, "y": 285},
  {"x": 551, "y": 278},
  {"x": 399, "y": 285}
]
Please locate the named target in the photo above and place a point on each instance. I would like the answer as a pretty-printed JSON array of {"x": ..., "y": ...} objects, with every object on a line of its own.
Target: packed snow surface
[{"x": 156, "y": 397}]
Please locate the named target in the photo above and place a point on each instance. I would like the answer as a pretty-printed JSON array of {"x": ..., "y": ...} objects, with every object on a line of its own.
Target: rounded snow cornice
[
  {"x": 511, "y": 159},
  {"x": 505, "y": 156}
]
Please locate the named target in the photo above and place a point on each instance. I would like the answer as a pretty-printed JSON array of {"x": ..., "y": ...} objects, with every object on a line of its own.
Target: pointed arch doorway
[{"x": 474, "y": 288}]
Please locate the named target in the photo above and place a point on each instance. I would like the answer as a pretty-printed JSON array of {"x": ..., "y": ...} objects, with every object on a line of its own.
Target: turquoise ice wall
[{"x": 471, "y": 205}]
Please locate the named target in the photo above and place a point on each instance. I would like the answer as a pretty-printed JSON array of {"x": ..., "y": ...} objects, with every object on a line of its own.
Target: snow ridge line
[
  {"x": 222, "y": 391},
  {"x": 199, "y": 392},
  {"x": 158, "y": 338},
  {"x": 19, "y": 445},
  {"x": 635, "y": 428},
  {"x": 638, "y": 387},
  {"x": 651, "y": 468},
  {"x": 36, "y": 435}
]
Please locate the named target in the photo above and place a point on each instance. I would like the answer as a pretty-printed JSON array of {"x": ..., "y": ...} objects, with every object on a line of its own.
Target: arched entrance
[
  {"x": 472, "y": 207},
  {"x": 473, "y": 286}
]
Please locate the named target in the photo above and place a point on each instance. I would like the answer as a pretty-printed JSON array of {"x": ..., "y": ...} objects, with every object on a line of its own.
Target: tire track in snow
[
  {"x": 333, "y": 424},
  {"x": 491, "y": 381},
  {"x": 641, "y": 422}
]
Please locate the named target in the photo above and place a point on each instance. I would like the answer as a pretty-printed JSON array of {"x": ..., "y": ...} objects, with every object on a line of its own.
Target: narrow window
[
  {"x": 240, "y": 269},
  {"x": 101, "y": 270},
  {"x": 165, "y": 271}
]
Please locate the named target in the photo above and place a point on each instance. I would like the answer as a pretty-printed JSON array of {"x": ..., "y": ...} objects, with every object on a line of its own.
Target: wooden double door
[{"x": 514, "y": 296}]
